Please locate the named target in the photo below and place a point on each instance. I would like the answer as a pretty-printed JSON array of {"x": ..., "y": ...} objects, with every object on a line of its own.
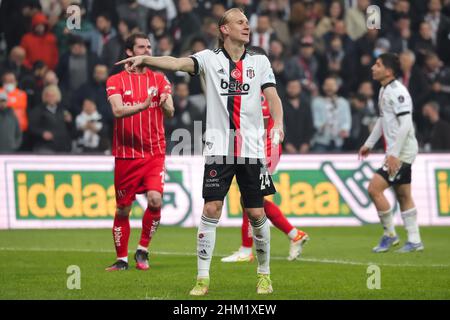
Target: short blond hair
[
  {"x": 224, "y": 20},
  {"x": 54, "y": 89}
]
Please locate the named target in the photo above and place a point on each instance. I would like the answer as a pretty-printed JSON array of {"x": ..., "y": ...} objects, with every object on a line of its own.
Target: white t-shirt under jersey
[
  {"x": 395, "y": 101},
  {"x": 234, "y": 121}
]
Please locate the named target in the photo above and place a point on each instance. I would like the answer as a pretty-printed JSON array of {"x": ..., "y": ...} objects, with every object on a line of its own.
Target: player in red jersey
[
  {"x": 140, "y": 98},
  {"x": 273, "y": 212}
]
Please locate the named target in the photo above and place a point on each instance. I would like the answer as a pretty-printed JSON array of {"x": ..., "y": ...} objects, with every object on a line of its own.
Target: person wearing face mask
[
  {"x": 9, "y": 127},
  {"x": 17, "y": 99},
  {"x": 40, "y": 43}
]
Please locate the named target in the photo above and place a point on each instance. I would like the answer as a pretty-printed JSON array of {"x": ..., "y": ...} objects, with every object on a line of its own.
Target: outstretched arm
[{"x": 166, "y": 63}]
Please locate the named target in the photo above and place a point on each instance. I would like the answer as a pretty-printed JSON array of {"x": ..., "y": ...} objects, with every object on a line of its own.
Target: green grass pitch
[{"x": 33, "y": 265}]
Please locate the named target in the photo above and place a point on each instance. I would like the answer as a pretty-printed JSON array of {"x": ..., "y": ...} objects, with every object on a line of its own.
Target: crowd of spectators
[{"x": 53, "y": 97}]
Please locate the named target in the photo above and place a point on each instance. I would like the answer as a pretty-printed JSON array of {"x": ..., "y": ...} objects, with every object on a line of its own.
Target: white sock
[
  {"x": 139, "y": 247},
  {"x": 206, "y": 239},
  {"x": 293, "y": 233},
  {"x": 387, "y": 221},
  {"x": 123, "y": 259},
  {"x": 261, "y": 237},
  {"x": 410, "y": 222}
]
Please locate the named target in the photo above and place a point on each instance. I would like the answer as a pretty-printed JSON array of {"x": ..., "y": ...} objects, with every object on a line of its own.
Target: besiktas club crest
[{"x": 250, "y": 73}]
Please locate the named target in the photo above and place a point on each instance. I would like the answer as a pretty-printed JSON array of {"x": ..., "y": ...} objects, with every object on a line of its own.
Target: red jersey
[
  {"x": 142, "y": 134},
  {"x": 273, "y": 152}
]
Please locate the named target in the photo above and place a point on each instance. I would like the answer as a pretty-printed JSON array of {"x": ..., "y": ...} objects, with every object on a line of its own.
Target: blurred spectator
[
  {"x": 51, "y": 124},
  {"x": 365, "y": 89},
  {"x": 339, "y": 30},
  {"x": 363, "y": 120},
  {"x": 438, "y": 138},
  {"x": 54, "y": 8},
  {"x": 400, "y": 37},
  {"x": 15, "y": 19},
  {"x": 218, "y": 10},
  {"x": 185, "y": 117},
  {"x": 440, "y": 27},
  {"x": 297, "y": 119},
  {"x": 210, "y": 33},
  {"x": 90, "y": 130},
  {"x": 423, "y": 43},
  {"x": 185, "y": 26},
  {"x": 278, "y": 12},
  {"x": 158, "y": 30},
  {"x": 165, "y": 45},
  {"x": 196, "y": 95},
  {"x": 304, "y": 65},
  {"x": 40, "y": 43},
  {"x": 414, "y": 79},
  {"x": 399, "y": 8},
  {"x": 355, "y": 19},
  {"x": 438, "y": 76},
  {"x": 9, "y": 127},
  {"x": 95, "y": 8},
  {"x": 102, "y": 33},
  {"x": 63, "y": 34},
  {"x": 382, "y": 45},
  {"x": 335, "y": 11},
  {"x": 277, "y": 57},
  {"x": 332, "y": 118},
  {"x": 165, "y": 8},
  {"x": 17, "y": 99},
  {"x": 131, "y": 10},
  {"x": 15, "y": 63},
  {"x": 263, "y": 33},
  {"x": 114, "y": 50},
  {"x": 33, "y": 83},
  {"x": 364, "y": 57},
  {"x": 94, "y": 90},
  {"x": 308, "y": 30},
  {"x": 340, "y": 64},
  {"x": 76, "y": 66}
]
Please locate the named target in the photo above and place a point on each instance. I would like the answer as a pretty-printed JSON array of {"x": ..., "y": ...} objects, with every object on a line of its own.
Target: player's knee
[
  {"x": 403, "y": 198},
  {"x": 123, "y": 212},
  {"x": 255, "y": 213},
  {"x": 212, "y": 209},
  {"x": 154, "y": 201},
  {"x": 373, "y": 191}
]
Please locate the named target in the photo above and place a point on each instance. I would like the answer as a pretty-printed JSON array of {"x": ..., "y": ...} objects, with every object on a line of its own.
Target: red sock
[
  {"x": 277, "y": 217},
  {"x": 246, "y": 232},
  {"x": 121, "y": 235},
  {"x": 150, "y": 223}
]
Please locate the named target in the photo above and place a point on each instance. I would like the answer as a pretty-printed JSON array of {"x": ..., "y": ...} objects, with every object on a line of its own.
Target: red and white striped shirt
[{"x": 142, "y": 134}]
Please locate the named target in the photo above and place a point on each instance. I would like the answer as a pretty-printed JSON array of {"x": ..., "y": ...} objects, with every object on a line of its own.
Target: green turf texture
[{"x": 33, "y": 265}]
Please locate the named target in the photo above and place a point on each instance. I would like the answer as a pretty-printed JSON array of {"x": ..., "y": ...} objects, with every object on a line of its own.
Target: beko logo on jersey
[{"x": 234, "y": 88}]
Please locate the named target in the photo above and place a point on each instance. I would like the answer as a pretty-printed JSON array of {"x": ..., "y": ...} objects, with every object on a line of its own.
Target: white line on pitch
[{"x": 318, "y": 260}]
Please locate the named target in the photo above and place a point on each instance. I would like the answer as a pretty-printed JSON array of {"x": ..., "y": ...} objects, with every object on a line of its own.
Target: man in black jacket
[{"x": 50, "y": 125}]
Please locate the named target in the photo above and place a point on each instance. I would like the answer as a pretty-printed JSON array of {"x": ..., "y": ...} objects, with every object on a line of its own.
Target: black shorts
[
  {"x": 403, "y": 175},
  {"x": 252, "y": 176}
]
